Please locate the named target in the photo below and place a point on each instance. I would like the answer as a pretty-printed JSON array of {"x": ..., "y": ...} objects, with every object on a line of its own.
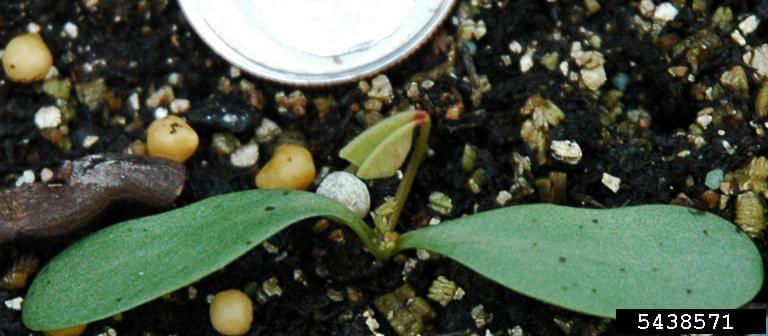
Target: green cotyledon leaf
[
  {"x": 357, "y": 150},
  {"x": 130, "y": 263},
  {"x": 595, "y": 261},
  {"x": 592, "y": 261},
  {"x": 388, "y": 156},
  {"x": 380, "y": 150}
]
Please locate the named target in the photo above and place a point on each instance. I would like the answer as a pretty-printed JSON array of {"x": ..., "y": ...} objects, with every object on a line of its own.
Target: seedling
[{"x": 587, "y": 260}]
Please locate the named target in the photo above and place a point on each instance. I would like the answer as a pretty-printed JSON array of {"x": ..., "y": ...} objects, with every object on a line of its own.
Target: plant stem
[
  {"x": 368, "y": 236},
  {"x": 404, "y": 189}
]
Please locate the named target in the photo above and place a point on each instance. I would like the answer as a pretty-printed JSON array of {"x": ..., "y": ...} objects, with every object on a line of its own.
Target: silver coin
[{"x": 315, "y": 42}]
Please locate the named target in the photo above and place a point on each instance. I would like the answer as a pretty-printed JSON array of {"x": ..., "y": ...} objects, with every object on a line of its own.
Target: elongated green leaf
[
  {"x": 130, "y": 263},
  {"x": 357, "y": 150},
  {"x": 595, "y": 261},
  {"x": 388, "y": 156},
  {"x": 591, "y": 261}
]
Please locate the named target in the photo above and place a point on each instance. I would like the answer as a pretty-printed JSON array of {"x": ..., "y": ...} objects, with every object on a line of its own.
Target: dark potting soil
[{"x": 135, "y": 46}]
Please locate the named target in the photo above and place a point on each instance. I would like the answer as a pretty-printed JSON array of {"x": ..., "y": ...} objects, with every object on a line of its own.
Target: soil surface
[{"x": 641, "y": 125}]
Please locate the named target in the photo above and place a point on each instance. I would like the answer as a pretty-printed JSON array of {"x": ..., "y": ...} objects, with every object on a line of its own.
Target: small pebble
[
  {"x": 108, "y": 331},
  {"x": 271, "y": 249},
  {"x": 245, "y": 156},
  {"x": 33, "y": 28},
  {"x": 758, "y": 59},
  {"x": 295, "y": 102},
  {"x": 664, "y": 13},
  {"x": 440, "y": 203},
  {"x": 93, "y": 94},
  {"x": 191, "y": 293},
  {"x": 443, "y": 291},
  {"x": 371, "y": 323},
  {"x": 52, "y": 73},
  {"x": 704, "y": 120},
  {"x": 160, "y": 113},
  {"x": 271, "y": 287},
  {"x": 224, "y": 144},
  {"x": 162, "y": 97},
  {"x": 179, "y": 105},
  {"x": 526, "y": 62},
  {"x": 714, "y": 178},
  {"x": 738, "y": 38},
  {"x": 711, "y": 198},
  {"x": 334, "y": 295},
  {"x": 480, "y": 316},
  {"x": 15, "y": 303},
  {"x": 133, "y": 101},
  {"x": 592, "y": 67},
  {"x": 28, "y": 177},
  {"x": 471, "y": 30},
  {"x": 646, "y": 8},
  {"x": 48, "y": 117},
  {"x": 749, "y": 25},
  {"x": 231, "y": 312},
  {"x": 468, "y": 157},
  {"x": 381, "y": 89},
  {"x": 503, "y": 197},
  {"x": 422, "y": 254},
  {"x": 566, "y": 151},
  {"x": 347, "y": 189},
  {"x": 593, "y": 6},
  {"x": 26, "y": 58},
  {"x": 620, "y": 81},
  {"x": 412, "y": 90},
  {"x": 56, "y": 88},
  {"x": 234, "y": 72},
  {"x": 761, "y": 102},
  {"x": 736, "y": 80},
  {"x": 373, "y": 105},
  {"x": 174, "y": 79},
  {"x": 71, "y": 30},
  {"x": 137, "y": 147},
  {"x": 550, "y": 60},
  {"x": 222, "y": 115},
  {"x": 291, "y": 167},
  {"x": 750, "y": 214},
  {"x": 611, "y": 182},
  {"x": 171, "y": 138},
  {"x": 516, "y": 331},
  {"x": 298, "y": 276},
  {"x": 363, "y": 86},
  {"x": 267, "y": 132},
  {"x": 90, "y": 140},
  {"x": 46, "y": 174}
]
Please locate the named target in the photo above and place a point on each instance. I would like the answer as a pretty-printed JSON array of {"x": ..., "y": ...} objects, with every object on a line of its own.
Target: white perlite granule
[
  {"x": 611, "y": 182},
  {"x": 48, "y": 117}
]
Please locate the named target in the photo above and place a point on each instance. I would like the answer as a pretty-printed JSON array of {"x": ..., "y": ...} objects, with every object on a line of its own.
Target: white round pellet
[{"x": 348, "y": 190}]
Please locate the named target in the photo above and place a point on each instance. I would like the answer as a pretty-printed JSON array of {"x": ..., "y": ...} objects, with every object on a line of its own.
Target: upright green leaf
[
  {"x": 130, "y": 263},
  {"x": 389, "y": 155},
  {"x": 595, "y": 261},
  {"x": 357, "y": 150}
]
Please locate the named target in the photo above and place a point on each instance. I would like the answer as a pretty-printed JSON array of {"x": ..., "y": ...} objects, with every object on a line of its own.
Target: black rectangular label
[{"x": 696, "y": 321}]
